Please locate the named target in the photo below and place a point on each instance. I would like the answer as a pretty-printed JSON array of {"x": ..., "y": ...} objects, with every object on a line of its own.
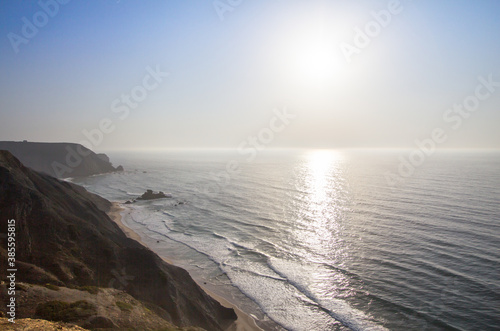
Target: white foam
[{"x": 302, "y": 276}]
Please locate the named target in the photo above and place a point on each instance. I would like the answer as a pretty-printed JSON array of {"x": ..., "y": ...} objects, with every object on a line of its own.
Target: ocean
[{"x": 323, "y": 240}]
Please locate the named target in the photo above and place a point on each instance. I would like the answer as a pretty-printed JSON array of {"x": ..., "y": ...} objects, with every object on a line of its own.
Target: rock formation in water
[
  {"x": 65, "y": 238},
  {"x": 60, "y": 160},
  {"x": 150, "y": 195}
]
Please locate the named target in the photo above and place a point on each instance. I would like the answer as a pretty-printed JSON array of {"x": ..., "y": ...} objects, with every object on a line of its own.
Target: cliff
[
  {"x": 65, "y": 238},
  {"x": 59, "y": 160}
]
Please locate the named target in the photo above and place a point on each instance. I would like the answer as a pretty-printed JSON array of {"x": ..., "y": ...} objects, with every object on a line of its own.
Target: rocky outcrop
[
  {"x": 59, "y": 160},
  {"x": 64, "y": 237},
  {"x": 150, "y": 195},
  {"x": 103, "y": 157}
]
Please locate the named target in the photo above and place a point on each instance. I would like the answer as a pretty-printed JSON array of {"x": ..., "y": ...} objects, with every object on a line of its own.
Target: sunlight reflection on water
[
  {"x": 321, "y": 209},
  {"x": 319, "y": 234},
  {"x": 319, "y": 214}
]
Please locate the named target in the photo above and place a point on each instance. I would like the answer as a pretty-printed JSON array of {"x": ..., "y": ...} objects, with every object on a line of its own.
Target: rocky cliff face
[
  {"x": 63, "y": 237},
  {"x": 60, "y": 160}
]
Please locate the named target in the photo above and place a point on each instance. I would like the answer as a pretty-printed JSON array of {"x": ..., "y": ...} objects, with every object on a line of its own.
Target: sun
[{"x": 314, "y": 61}]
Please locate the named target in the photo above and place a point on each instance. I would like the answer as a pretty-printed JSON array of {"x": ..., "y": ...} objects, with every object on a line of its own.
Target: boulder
[{"x": 150, "y": 195}]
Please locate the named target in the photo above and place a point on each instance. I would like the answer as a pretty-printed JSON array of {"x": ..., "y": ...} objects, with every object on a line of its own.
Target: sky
[{"x": 131, "y": 74}]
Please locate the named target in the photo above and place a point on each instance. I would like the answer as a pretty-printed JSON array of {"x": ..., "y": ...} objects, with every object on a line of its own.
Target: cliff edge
[{"x": 65, "y": 238}]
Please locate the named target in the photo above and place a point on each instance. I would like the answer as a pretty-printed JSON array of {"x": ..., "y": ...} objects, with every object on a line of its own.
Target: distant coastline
[{"x": 60, "y": 160}]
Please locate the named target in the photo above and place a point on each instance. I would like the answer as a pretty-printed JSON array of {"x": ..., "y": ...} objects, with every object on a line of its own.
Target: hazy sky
[{"x": 348, "y": 79}]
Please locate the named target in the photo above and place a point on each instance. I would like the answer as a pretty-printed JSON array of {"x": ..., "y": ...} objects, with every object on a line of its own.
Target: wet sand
[{"x": 244, "y": 322}]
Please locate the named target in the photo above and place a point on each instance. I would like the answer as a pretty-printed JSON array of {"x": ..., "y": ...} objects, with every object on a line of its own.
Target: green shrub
[
  {"x": 64, "y": 311},
  {"x": 88, "y": 288},
  {"x": 52, "y": 287},
  {"x": 124, "y": 306}
]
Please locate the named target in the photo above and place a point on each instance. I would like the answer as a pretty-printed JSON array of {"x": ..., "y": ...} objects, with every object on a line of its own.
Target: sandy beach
[{"x": 244, "y": 321}]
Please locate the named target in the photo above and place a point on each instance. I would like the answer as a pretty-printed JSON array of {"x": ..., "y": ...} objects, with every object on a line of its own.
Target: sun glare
[
  {"x": 315, "y": 62},
  {"x": 321, "y": 163},
  {"x": 315, "y": 65}
]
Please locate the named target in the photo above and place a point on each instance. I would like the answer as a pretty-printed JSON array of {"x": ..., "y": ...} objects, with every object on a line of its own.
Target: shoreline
[{"x": 244, "y": 322}]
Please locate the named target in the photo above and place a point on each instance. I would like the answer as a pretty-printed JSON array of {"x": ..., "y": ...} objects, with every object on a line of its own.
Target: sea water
[{"x": 326, "y": 240}]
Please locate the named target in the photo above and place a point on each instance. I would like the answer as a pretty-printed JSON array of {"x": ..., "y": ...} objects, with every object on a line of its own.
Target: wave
[
  {"x": 340, "y": 310},
  {"x": 168, "y": 214}
]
